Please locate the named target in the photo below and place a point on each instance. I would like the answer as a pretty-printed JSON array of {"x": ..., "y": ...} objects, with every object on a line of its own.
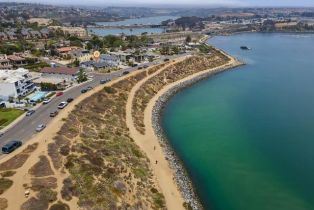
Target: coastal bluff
[{"x": 104, "y": 151}]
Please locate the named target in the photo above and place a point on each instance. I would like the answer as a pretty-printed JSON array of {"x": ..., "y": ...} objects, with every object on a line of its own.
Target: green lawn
[{"x": 8, "y": 115}]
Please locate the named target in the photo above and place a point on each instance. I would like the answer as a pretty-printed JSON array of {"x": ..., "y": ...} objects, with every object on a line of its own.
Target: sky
[{"x": 187, "y": 3}]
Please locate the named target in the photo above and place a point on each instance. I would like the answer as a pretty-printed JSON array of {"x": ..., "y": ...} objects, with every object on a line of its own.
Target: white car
[
  {"x": 47, "y": 100},
  {"x": 62, "y": 105},
  {"x": 40, "y": 127}
]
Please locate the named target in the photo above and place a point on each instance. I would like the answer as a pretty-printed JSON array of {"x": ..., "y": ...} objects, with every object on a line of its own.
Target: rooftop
[
  {"x": 11, "y": 76},
  {"x": 60, "y": 70}
]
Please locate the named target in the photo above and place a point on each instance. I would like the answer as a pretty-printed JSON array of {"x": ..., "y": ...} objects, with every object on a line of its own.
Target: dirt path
[{"x": 147, "y": 143}]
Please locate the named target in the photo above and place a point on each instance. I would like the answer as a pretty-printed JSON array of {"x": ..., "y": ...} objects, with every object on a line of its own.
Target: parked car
[
  {"x": 11, "y": 146},
  {"x": 62, "y": 105},
  {"x": 59, "y": 93},
  {"x": 69, "y": 100},
  {"x": 134, "y": 65},
  {"x": 40, "y": 127},
  {"x": 145, "y": 66},
  {"x": 140, "y": 67},
  {"x": 89, "y": 88},
  {"x": 125, "y": 72},
  {"x": 46, "y": 101},
  {"x": 53, "y": 114},
  {"x": 84, "y": 90},
  {"x": 30, "y": 112},
  {"x": 166, "y": 59}
]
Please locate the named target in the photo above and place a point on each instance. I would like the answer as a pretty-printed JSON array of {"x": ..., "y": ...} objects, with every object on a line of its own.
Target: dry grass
[
  {"x": 18, "y": 160},
  {"x": 169, "y": 75},
  {"x": 40, "y": 183},
  {"x": 41, "y": 168},
  {"x": 5, "y": 184},
  {"x": 107, "y": 169}
]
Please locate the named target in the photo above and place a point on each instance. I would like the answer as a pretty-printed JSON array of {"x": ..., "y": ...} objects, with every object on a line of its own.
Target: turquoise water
[
  {"x": 37, "y": 96},
  {"x": 246, "y": 136}
]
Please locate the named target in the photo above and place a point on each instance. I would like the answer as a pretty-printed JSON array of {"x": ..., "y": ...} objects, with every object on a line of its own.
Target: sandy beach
[{"x": 170, "y": 173}]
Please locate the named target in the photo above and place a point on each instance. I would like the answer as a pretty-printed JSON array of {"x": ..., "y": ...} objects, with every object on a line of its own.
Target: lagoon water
[
  {"x": 135, "y": 21},
  {"x": 246, "y": 136}
]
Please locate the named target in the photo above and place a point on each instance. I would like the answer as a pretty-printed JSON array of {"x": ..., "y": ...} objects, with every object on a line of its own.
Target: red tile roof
[
  {"x": 15, "y": 58},
  {"x": 60, "y": 70},
  {"x": 66, "y": 49}
]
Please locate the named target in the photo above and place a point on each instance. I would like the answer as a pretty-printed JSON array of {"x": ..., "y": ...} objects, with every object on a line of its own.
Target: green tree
[
  {"x": 188, "y": 39},
  {"x": 82, "y": 77}
]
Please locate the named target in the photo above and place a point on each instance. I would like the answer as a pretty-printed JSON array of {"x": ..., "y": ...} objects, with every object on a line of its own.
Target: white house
[{"x": 15, "y": 83}]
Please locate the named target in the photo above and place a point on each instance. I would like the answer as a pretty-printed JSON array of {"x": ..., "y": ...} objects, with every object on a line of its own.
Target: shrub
[
  {"x": 5, "y": 184},
  {"x": 110, "y": 90}
]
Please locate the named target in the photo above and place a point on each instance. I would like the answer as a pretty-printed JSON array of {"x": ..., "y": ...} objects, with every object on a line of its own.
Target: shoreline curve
[{"x": 155, "y": 109}]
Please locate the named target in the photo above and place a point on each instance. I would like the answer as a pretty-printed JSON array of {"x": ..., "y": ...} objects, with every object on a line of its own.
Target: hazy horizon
[{"x": 177, "y": 3}]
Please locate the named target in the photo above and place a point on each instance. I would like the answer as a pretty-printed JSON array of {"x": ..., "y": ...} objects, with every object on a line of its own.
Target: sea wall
[{"x": 182, "y": 178}]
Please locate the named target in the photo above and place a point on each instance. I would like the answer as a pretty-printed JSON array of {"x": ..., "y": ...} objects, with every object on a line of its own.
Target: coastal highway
[{"x": 25, "y": 128}]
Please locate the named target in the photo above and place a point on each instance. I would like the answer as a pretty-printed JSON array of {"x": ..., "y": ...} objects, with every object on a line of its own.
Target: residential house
[
  {"x": 5, "y": 62},
  {"x": 17, "y": 60},
  {"x": 45, "y": 33},
  {"x": 35, "y": 34},
  {"x": 3, "y": 36},
  {"x": 123, "y": 56},
  {"x": 15, "y": 83},
  {"x": 12, "y": 34},
  {"x": 81, "y": 55},
  {"x": 25, "y": 33},
  {"x": 65, "y": 51},
  {"x": 66, "y": 73}
]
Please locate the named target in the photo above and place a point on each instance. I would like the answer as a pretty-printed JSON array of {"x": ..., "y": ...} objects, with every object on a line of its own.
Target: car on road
[
  {"x": 134, "y": 65},
  {"x": 53, "y": 114},
  {"x": 125, "y": 72},
  {"x": 140, "y": 67},
  {"x": 89, "y": 88},
  {"x": 103, "y": 81},
  {"x": 84, "y": 90},
  {"x": 166, "y": 59},
  {"x": 69, "y": 100},
  {"x": 145, "y": 66},
  {"x": 1, "y": 134},
  {"x": 11, "y": 146},
  {"x": 40, "y": 127},
  {"x": 46, "y": 100},
  {"x": 30, "y": 112},
  {"x": 62, "y": 105},
  {"x": 59, "y": 93}
]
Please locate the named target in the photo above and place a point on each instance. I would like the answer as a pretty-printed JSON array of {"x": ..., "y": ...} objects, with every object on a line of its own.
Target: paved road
[{"x": 25, "y": 129}]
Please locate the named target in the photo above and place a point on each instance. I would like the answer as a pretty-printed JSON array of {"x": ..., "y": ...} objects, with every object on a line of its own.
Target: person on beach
[{"x": 156, "y": 161}]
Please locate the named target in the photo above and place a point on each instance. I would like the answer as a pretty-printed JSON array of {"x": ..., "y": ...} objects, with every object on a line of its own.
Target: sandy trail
[
  {"x": 164, "y": 174},
  {"x": 147, "y": 143}
]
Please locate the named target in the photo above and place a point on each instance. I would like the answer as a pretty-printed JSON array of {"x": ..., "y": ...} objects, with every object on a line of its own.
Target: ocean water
[{"x": 246, "y": 136}]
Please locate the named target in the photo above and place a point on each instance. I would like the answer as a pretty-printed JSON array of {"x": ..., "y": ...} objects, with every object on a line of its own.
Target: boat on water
[{"x": 245, "y": 48}]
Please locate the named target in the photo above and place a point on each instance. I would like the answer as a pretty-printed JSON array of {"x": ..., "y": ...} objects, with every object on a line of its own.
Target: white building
[{"x": 15, "y": 83}]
